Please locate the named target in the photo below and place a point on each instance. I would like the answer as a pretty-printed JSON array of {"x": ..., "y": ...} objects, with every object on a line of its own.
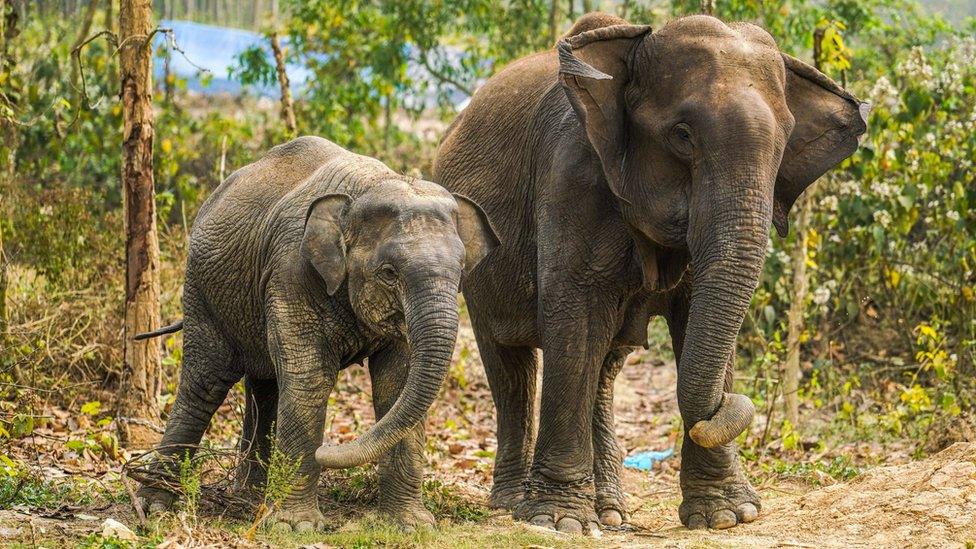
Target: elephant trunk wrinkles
[
  {"x": 432, "y": 321},
  {"x": 727, "y": 257}
]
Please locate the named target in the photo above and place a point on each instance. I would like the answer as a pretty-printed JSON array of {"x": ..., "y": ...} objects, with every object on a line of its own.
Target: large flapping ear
[
  {"x": 594, "y": 67},
  {"x": 829, "y": 121},
  {"x": 322, "y": 244},
  {"x": 475, "y": 230}
]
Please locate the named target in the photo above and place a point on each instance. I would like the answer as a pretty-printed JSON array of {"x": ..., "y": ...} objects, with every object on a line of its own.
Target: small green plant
[
  {"x": 282, "y": 476},
  {"x": 190, "y": 484}
]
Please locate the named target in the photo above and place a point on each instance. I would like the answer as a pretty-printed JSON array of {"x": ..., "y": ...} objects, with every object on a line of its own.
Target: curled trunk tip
[
  {"x": 732, "y": 418},
  {"x": 332, "y": 456}
]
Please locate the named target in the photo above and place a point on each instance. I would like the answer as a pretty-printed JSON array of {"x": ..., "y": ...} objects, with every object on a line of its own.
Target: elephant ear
[
  {"x": 476, "y": 232},
  {"x": 594, "y": 68},
  {"x": 829, "y": 121},
  {"x": 322, "y": 244}
]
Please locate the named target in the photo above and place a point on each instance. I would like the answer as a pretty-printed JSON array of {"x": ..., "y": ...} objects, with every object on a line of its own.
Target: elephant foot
[
  {"x": 299, "y": 517},
  {"x": 410, "y": 516},
  {"x": 506, "y": 495},
  {"x": 612, "y": 514},
  {"x": 156, "y": 500},
  {"x": 564, "y": 507},
  {"x": 718, "y": 503}
]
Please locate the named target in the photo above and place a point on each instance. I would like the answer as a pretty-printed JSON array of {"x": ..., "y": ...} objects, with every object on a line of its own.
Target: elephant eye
[
  {"x": 387, "y": 274},
  {"x": 680, "y": 139}
]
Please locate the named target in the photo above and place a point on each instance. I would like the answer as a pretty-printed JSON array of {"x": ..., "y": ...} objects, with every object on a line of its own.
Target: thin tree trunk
[
  {"x": 9, "y": 19},
  {"x": 800, "y": 288},
  {"x": 110, "y": 26},
  {"x": 795, "y": 322},
  {"x": 553, "y": 21},
  {"x": 708, "y": 7},
  {"x": 83, "y": 31},
  {"x": 287, "y": 107},
  {"x": 4, "y": 319},
  {"x": 139, "y": 394},
  {"x": 587, "y": 6}
]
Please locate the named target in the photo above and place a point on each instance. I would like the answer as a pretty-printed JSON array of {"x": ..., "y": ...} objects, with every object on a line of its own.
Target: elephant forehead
[
  {"x": 401, "y": 201},
  {"x": 698, "y": 63}
]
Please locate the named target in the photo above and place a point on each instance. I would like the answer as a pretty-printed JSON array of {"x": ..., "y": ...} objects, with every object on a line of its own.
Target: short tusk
[{"x": 732, "y": 418}]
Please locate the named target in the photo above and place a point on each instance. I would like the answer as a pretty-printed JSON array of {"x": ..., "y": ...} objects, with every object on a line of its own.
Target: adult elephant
[{"x": 616, "y": 169}]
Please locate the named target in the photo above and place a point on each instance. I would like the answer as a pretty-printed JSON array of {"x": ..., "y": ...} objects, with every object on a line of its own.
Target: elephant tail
[{"x": 172, "y": 328}]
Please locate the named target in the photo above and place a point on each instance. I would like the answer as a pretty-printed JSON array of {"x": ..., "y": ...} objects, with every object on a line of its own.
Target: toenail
[
  {"x": 570, "y": 525},
  {"x": 747, "y": 512},
  {"x": 697, "y": 522},
  {"x": 611, "y": 517},
  {"x": 723, "y": 519},
  {"x": 545, "y": 521},
  {"x": 304, "y": 526}
]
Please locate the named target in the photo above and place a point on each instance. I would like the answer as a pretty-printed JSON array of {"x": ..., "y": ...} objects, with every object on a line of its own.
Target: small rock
[{"x": 112, "y": 528}]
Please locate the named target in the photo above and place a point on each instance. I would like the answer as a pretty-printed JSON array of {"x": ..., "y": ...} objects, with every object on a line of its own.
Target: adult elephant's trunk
[
  {"x": 432, "y": 320},
  {"x": 728, "y": 231}
]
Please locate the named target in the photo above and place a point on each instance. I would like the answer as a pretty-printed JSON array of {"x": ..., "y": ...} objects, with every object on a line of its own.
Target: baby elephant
[{"x": 302, "y": 263}]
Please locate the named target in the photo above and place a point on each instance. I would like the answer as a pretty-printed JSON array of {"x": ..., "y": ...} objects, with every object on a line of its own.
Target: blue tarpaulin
[{"x": 645, "y": 460}]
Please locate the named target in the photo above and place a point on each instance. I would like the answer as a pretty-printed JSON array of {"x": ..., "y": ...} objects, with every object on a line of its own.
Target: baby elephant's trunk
[{"x": 432, "y": 320}]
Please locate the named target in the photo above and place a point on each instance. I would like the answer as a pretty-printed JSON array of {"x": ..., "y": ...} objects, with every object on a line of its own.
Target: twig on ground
[{"x": 136, "y": 502}]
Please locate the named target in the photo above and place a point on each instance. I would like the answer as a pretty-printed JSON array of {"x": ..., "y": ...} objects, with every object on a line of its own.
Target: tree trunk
[
  {"x": 708, "y": 7},
  {"x": 4, "y": 319},
  {"x": 800, "y": 287},
  {"x": 795, "y": 323},
  {"x": 86, "y": 23},
  {"x": 138, "y": 409},
  {"x": 287, "y": 107},
  {"x": 9, "y": 19},
  {"x": 553, "y": 21}
]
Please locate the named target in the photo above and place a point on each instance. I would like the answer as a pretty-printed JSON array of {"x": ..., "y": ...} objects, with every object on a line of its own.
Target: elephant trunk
[
  {"x": 728, "y": 246},
  {"x": 432, "y": 320}
]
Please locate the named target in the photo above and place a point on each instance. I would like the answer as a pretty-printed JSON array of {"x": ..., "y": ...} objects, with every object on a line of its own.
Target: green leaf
[{"x": 91, "y": 408}]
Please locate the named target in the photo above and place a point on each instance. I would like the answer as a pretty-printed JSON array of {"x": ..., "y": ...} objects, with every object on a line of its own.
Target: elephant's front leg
[
  {"x": 577, "y": 332},
  {"x": 607, "y": 455},
  {"x": 715, "y": 492},
  {"x": 306, "y": 376},
  {"x": 401, "y": 471}
]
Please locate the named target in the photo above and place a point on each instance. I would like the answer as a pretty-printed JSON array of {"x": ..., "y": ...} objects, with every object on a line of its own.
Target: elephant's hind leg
[
  {"x": 207, "y": 375},
  {"x": 401, "y": 471},
  {"x": 511, "y": 373},
  {"x": 607, "y": 455},
  {"x": 260, "y": 411}
]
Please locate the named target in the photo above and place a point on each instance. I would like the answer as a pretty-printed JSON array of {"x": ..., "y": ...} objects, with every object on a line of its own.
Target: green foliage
[
  {"x": 190, "y": 485},
  {"x": 282, "y": 475}
]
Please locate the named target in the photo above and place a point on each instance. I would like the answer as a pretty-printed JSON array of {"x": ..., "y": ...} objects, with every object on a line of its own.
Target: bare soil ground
[{"x": 898, "y": 503}]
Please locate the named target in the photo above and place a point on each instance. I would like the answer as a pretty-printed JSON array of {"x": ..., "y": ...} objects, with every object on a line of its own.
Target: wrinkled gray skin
[
  {"x": 302, "y": 263},
  {"x": 619, "y": 168}
]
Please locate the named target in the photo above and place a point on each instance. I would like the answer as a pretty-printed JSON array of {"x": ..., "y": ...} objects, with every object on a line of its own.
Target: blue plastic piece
[{"x": 645, "y": 460}]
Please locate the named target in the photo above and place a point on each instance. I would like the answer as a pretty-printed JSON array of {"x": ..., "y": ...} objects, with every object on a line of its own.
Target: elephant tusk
[{"x": 732, "y": 418}]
